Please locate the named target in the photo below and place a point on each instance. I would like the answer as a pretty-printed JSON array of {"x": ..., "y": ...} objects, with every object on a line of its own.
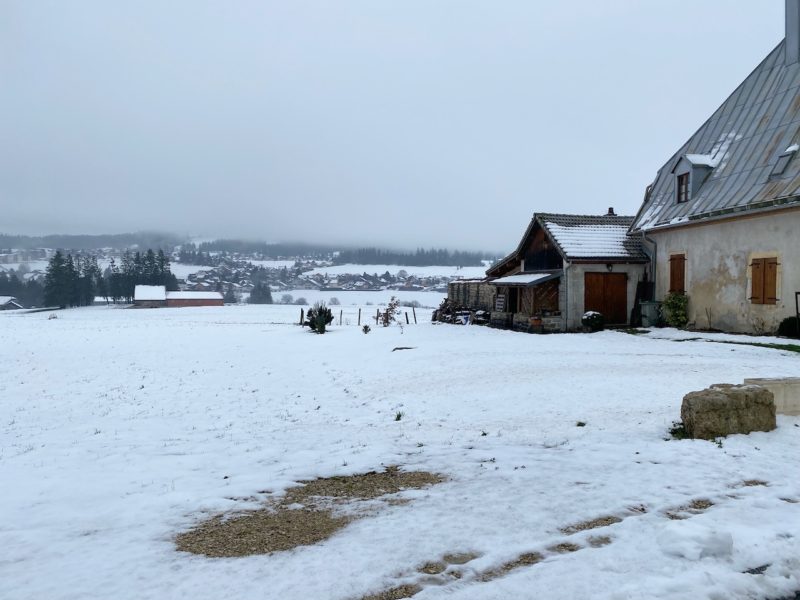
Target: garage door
[{"x": 607, "y": 293}]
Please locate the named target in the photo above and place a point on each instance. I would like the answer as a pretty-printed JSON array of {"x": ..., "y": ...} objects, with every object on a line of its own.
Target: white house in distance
[
  {"x": 721, "y": 221},
  {"x": 9, "y": 303},
  {"x": 157, "y": 296}
]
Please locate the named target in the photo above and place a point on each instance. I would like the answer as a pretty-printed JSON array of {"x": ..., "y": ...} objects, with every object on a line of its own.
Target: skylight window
[{"x": 784, "y": 160}]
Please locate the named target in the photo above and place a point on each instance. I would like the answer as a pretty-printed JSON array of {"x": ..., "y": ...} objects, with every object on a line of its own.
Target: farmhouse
[
  {"x": 157, "y": 296},
  {"x": 9, "y": 303},
  {"x": 565, "y": 265},
  {"x": 721, "y": 219}
]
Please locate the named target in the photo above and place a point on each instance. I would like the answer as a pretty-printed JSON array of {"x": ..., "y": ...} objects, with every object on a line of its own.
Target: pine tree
[
  {"x": 230, "y": 296},
  {"x": 56, "y": 284}
]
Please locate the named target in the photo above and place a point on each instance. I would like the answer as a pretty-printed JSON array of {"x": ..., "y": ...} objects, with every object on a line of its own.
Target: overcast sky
[{"x": 403, "y": 123}]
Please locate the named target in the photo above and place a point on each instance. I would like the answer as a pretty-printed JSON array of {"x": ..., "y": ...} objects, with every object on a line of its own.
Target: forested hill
[
  {"x": 143, "y": 239},
  {"x": 420, "y": 258}
]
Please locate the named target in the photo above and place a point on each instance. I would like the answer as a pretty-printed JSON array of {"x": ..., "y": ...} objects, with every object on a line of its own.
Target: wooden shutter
[
  {"x": 770, "y": 280},
  {"x": 677, "y": 273},
  {"x": 757, "y": 270}
]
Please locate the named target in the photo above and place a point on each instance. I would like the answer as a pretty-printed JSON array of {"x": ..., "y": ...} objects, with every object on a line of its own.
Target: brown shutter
[
  {"x": 757, "y": 269},
  {"x": 770, "y": 280},
  {"x": 677, "y": 273}
]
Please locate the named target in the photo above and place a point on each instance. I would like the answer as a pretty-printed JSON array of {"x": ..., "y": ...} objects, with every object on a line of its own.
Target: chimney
[
  {"x": 792, "y": 31},
  {"x": 611, "y": 212}
]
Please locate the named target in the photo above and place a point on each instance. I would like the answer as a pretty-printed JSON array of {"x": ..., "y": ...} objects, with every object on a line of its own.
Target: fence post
[
  {"x": 407, "y": 318},
  {"x": 359, "y": 317},
  {"x": 301, "y": 316},
  {"x": 340, "y": 317},
  {"x": 415, "y": 315},
  {"x": 377, "y": 315}
]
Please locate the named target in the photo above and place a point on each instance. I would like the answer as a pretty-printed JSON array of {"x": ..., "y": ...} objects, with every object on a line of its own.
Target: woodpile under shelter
[
  {"x": 157, "y": 296},
  {"x": 566, "y": 265}
]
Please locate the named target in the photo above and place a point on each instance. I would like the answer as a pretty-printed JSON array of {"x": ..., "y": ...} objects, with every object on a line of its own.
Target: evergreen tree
[
  {"x": 261, "y": 294},
  {"x": 56, "y": 282},
  {"x": 230, "y": 295}
]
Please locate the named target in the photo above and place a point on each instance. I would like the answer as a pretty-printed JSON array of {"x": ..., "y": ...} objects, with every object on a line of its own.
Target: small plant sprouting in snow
[
  {"x": 580, "y": 424},
  {"x": 398, "y": 416},
  {"x": 678, "y": 431},
  {"x": 366, "y": 329},
  {"x": 484, "y": 433}
]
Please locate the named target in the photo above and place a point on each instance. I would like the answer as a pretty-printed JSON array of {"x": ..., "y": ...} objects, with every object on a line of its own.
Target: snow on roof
[
  {"x": 524, "y": 278},
  {"x": 194, "y": 296},
  {"x": 150, "y": 292},
  {"x": 590, "y": 240},
  {"x": 7, "y": 299}
]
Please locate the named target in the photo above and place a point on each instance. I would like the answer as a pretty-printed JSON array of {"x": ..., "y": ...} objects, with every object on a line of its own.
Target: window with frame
[
  {"x": 683, "y": 188},
  {"x": 677, "y": 274},
  {"x": 764, "y": 282}
]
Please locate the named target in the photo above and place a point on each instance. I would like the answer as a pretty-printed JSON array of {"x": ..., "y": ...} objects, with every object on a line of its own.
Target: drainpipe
[
  {"x": 653, "y": 258},
  {"x": 565, "y": 266}
]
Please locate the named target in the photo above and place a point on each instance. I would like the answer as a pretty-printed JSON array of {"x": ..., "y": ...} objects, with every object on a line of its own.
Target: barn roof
[
  {"x": 601, "y": 238},
  {"x": 149, "y": 292},
  {"x": 592, "y": 237},
  {"x": 739, "y": 148},
  {"x": 194, "y": 296}
]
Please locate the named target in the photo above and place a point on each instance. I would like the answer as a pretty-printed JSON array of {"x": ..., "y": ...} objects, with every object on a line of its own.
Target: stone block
[
  {"x": 786, "y": 391},
  {"x": 725, "y": 409}
]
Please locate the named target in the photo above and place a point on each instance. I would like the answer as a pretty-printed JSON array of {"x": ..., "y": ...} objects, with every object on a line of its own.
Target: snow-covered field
[
  {"x": 430, "y": 271},
  {"x": 364, "y": 299},
  {"x": 121, "y": 428}
]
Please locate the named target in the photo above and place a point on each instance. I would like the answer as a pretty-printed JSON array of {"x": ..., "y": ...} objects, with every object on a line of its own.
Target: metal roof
[
  {"x": 527, "y": 279},
  {"x": 740, "y": 143}
]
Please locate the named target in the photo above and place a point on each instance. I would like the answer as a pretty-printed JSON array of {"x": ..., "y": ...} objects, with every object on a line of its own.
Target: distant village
[{"x": 234, "y": 274}]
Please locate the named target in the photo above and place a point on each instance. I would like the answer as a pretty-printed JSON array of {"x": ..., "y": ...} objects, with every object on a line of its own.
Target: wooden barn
[
  {"x": 157, "y": 296},
  {"x": 566, "y": 265}
]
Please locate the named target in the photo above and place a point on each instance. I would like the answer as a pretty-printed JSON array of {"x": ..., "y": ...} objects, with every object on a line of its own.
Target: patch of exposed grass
[
  {"x": 564, "y": 548},
  {"x": 433, "y": 568},
  {"x": 785, "y": 347},
  {"x": 599, "y": 540},
  {"x": 279, "y": 526},
  {"x": 459, "y": 558},
  {"x": 523, "y": 560},
  {"x": 260, "y": 532},
  {"x": 592, "y": 524},
  {"x": 395, "y": 593}
]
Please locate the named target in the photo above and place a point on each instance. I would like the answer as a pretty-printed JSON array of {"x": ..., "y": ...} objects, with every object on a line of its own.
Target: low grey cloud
[{"x": 395, "y": 123}]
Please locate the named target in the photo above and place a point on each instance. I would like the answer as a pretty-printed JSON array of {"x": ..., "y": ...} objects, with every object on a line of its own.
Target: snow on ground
[
  {"x": 431, "y": 271},
  {"x": 183, "y": 270},
  {"x": 120, "y": 428},
  {"x": 364, "y": 299}
]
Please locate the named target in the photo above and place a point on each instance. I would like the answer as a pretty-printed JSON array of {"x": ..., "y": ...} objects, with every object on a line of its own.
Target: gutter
[{"x": 653, "y": 257}]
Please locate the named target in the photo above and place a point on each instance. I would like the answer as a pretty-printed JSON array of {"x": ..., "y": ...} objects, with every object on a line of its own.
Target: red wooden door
[{"x": 607, "y": 293}]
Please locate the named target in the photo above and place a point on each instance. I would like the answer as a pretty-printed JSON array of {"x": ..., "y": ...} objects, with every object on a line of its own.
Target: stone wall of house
[
  {"x": 718, "y": 276},
  {"x": 573, "y": 290}
]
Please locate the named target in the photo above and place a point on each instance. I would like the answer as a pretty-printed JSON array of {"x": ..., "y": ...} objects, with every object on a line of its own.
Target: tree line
[
  {"x": 420, "y": 258},
  {"x": 29, "y": 293},
  {"x": 76, "y": 281}
]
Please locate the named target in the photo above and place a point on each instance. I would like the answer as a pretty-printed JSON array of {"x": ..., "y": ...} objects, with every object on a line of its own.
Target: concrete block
[
  {"x": 725, "y": 409},
  {"x": 785, "y": 390}
]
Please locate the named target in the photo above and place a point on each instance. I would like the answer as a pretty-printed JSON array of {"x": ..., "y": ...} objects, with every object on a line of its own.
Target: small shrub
[
  {"x": 398, "y": 416},
  {"x": 319, "y": 317},
  {"x": 301, "y": 301},
  {"x": 789, "y": 327},
  {"x": 678, "y": 431},
  {"x": 366, "y": 329},
  {"x": 676, "y": 310},
  {"x": 287, "y": 299},
  {"x": 580, "y": 424},
  {"x": 593, "y": 321},
  {"x": 389, "y": 315},
  {"x": 334, "y": 301}
]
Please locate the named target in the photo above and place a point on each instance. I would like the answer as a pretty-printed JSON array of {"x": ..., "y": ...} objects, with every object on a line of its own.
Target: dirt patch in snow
[
  {"x": 592, "y": 524},
  {"x": 395, "y": 593},
  {"x": 523, "y": 560},
  {"x": 302, "y": 517}
]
